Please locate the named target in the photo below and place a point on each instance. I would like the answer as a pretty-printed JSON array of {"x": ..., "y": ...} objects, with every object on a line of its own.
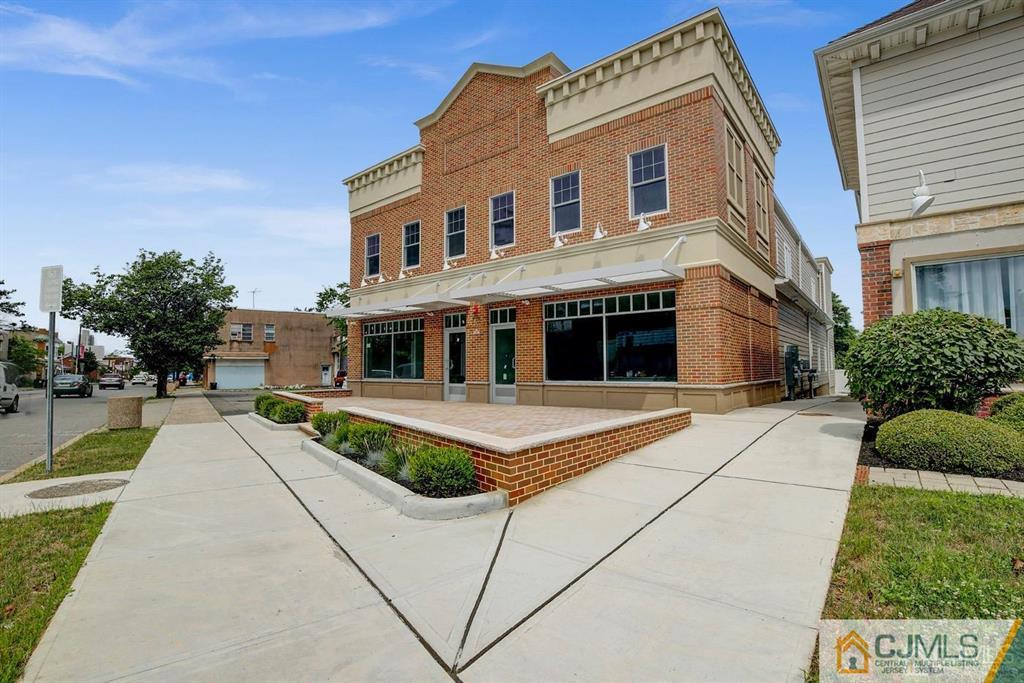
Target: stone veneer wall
[{"x": 528, "y": 472}]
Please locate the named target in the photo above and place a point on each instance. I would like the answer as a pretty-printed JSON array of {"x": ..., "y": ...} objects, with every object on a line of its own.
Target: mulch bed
[{"x": 870, "y": 457}]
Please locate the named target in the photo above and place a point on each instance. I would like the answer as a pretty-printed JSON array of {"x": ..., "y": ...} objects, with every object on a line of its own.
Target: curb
[
  {"x": 402, "y": 499},
  {"x": 271, "y": 425},
  {"x": 42, "y": 458}
]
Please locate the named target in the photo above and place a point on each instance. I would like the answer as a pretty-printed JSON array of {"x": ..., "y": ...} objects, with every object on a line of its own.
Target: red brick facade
[
  {"x": 493, "y": 139},
  {"x": 528, "y": 472},
  {"x": 876, "y": 281}
]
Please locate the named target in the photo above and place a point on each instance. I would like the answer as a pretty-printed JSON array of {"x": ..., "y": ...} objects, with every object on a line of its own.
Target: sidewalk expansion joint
[
  {"x": 782, "y": 483},
  {"x": 387, "y": 600},
  {"x": 629, "y": 538}
]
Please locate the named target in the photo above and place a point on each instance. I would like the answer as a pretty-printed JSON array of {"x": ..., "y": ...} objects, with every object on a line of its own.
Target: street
[{"x": 23, "y": 434}]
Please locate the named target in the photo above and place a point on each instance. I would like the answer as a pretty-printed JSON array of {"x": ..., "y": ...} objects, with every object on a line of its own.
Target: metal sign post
[{"x": 51, "y": 296}]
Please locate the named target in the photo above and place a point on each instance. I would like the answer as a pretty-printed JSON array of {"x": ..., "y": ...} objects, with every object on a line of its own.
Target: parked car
[
  {"x": 140, "y": 378},
  {"x": 9, "y": 374},
  {"x": 112, "y": 381},
  {"x": 72, "y": 385}
]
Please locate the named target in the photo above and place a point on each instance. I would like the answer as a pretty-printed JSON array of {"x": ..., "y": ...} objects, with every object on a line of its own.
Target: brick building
[
  {"x": 934, "y": 88},
  {"x": 271, "y": 348},
  {"x": 597, "y": 237}
]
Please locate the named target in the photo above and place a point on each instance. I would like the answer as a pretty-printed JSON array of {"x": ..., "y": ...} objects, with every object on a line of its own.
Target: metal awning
[{"x": 519, "y": 284}]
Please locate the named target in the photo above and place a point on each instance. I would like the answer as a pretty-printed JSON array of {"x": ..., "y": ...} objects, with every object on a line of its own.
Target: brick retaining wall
[{"x": 528, "y": 472}]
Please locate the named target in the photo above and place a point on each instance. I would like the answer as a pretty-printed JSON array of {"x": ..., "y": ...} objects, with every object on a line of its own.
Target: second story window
[
  {"x": 761, "y": 212},
  {"x": 734, "y": 169},
  {"x": 648, "y": 181},
  {"x": 269, "y": 333},
  {"x": 455, "y": 233},
  {"x": 503, "y": 220},
  {"x": 565, "y": 202},
  {"x": 373, "y": 255},
  {"x": 411, "y": 245},
  {"x": 241, "y": 332}
]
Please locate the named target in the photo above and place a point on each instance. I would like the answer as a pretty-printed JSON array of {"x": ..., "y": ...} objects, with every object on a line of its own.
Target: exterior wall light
[
  {"x": 923, "y": 197},
  {"x": 559, "y": 242},
  {"x": 642, "y": 224},
  {"x": 599, "y": 232}
]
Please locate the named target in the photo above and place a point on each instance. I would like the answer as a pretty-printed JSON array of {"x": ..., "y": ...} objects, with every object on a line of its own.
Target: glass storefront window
[
  {"x": 641, "y": 347},
  {"x": 573, "y": 350}
]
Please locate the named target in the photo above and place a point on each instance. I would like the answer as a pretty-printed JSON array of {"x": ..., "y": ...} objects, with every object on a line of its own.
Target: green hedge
[
  {"x": 395, "y": 464},
  {"x": 260, "y": 402},
  {"x": 328, "y": 423},
  {"x": 1009, "y": 412},
  {"x": 932, "y": 359},
  {"x": 442, "y": 472},
  {"x": 944, "y": 441},
  {"x": 288, "y": 412}
]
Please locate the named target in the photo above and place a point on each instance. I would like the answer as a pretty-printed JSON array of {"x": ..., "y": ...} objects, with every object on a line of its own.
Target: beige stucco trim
[
  {"x": 394, "y": 178},
  {"x": 646, "y": 72},
  {"x": 550, "y": 60},
  {"x": 941, "y": 223}
]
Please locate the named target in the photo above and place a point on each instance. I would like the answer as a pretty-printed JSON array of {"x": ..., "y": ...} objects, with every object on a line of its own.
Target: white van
[{"x": 9, "y": 374}]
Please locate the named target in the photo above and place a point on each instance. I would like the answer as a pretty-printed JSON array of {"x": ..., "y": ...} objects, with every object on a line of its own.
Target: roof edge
[{"x": 544, "y": 61}]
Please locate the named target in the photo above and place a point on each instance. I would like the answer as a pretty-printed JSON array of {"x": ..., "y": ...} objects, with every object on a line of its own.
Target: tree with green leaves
[
  {"x": 8, "y": 306},
  {"x": 844, "y": 332},
  {"x": 169, "y": 308},
  {"x": 25, "y": 354},
  {"x": 89, "y": 363}
]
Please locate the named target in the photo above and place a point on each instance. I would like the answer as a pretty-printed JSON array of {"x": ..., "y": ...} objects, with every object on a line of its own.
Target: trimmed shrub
[
  {"x": 369, "y": 440},
  {"x": 442, "y": 472},
  {"x": 260, "y": 402},
  {"x": 337, "y": 440},
  {"x": 395, "y": 464},
  {"x": 932, "y": 359},
  {"x": 288, "y": 412},
  {"x": 1009, "y": 412},
  {"x": 328, "y": 423},
  {"x": 945, "y": 441},
  {"x": 267, "y": 408}
]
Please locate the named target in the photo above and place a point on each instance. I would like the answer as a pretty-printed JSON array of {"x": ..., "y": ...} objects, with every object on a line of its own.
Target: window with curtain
[{"x": 992, "y": 287}]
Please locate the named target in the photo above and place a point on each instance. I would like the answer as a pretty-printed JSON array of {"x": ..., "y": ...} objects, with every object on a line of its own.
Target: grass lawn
[
  {"x": 98, "y": 452},
  {"x": 42, "y": 553},
  {"x": 912, "y": 554}
]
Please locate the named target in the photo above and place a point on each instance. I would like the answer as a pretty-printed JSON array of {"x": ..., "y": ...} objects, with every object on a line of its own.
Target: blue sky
[{"x": 229, "y": 126}]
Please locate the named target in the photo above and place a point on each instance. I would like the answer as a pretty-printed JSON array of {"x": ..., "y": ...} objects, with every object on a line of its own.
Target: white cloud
[
  {"x": 167, "y": 179},
  {"x": 422, "y": 71},
  {"x": 163, "y": 38},
  {"x": 475, "y": 40}
]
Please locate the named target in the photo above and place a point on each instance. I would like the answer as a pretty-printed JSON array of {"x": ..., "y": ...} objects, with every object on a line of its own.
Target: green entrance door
[{"x": 503, "y": 363}]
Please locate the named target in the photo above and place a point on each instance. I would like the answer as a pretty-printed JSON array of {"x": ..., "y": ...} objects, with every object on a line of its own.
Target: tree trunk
[{"x": 161, "y": 383}]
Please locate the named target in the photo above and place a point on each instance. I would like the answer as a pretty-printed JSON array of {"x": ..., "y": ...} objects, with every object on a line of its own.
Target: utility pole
[{"x": 51, "y": 297}]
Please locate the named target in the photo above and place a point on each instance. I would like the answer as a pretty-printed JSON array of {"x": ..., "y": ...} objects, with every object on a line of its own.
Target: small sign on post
[{"x": 51, "y": 298}]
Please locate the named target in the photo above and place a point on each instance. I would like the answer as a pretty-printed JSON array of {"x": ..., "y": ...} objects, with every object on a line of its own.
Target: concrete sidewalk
[
  {"x": 209, "y": 569},
  {"x": 706, "y": 555}
]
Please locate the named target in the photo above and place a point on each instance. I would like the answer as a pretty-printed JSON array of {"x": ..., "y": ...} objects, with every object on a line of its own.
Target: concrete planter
[
  {"x": 270, "y": 424},
  {"x": 402, "y": 499}
]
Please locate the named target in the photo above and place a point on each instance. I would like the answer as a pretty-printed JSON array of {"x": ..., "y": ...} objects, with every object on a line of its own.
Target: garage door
[{"x": 239, "y": 374}]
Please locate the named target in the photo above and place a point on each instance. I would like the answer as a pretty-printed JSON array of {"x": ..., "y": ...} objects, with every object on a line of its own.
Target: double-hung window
[
  {"x": 565, "y": 203},
  {"x": 455, "y": 233},
  {"x": 269, "y": 333},
  {"x": 241, "y": 332},
  {"x": 648, "y": 181},
  {"x": 373, "y": 255},
  {"x": 761, "y": 212},
  {"x": 503, "y": 220},
  {"x": 411, "y": 245}
]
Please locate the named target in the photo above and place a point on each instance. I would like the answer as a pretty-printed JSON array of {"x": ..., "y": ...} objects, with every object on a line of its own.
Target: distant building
[
  {"x": 120, "y": 364},
  {"x": 934, "y": 87},
  {"x": 272, "y": 348}
]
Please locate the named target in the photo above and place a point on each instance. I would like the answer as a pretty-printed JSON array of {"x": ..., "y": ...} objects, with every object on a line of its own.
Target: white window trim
[
  {"x": 739, "y": 204},
  {"x": 490, "y": 220},
  {"x": 629, "y": 183},
  {"x": 551, "y": 204},
  {"x": 465, "y": 233},
  {"x": 233, "y": 334},
  {"x": 366, "y": 255},
  {"x": 272, "y": 328},
  {"x": 406, "y": 266}
]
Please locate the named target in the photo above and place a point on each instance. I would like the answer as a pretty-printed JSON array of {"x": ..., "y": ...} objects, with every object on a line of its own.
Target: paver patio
[{"x": 704, "y": 555}]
